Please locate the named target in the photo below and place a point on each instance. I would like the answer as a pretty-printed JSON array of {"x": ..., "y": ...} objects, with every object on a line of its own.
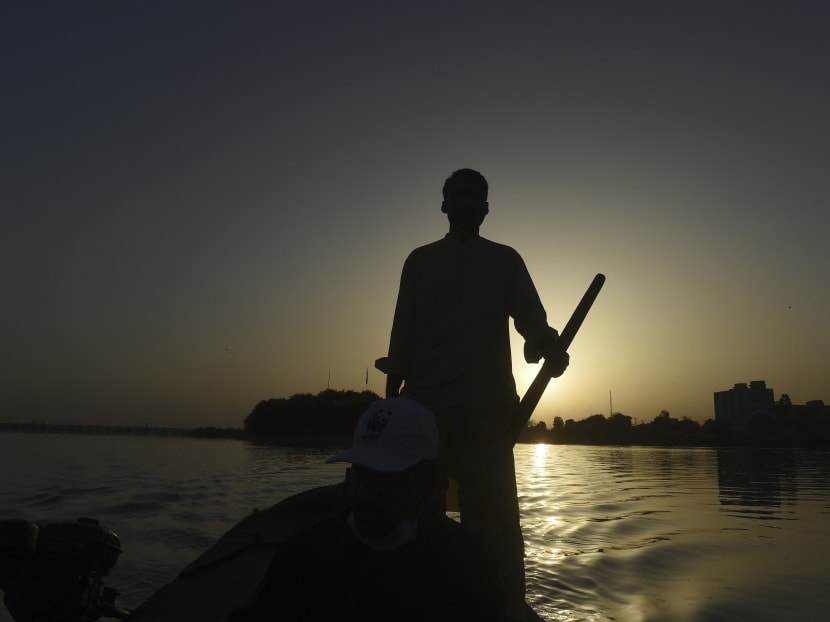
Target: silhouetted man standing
[{"x": 450, "y": 348}]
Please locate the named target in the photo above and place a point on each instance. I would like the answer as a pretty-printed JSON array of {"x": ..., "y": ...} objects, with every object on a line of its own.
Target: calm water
[{"x": 625, "y": 534}]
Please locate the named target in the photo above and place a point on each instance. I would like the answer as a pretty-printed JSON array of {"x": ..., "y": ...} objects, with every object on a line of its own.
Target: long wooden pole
[{"x": 534, "y": 392}]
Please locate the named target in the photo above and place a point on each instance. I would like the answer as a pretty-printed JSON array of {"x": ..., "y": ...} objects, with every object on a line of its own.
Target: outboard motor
[{"x": 54, "y": 572}]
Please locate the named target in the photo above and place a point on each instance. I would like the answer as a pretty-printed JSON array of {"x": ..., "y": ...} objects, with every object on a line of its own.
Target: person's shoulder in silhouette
[{"x": 388, "y": 556}]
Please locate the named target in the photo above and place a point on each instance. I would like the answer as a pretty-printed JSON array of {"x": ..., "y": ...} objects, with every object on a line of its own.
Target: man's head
[
  {"x": 465, "y": 200},
  {"x": 394, "y": 456},
  {"x": 465, "y": 179}
]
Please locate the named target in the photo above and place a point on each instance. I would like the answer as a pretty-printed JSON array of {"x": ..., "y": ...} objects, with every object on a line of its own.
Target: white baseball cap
[{"x": 392, "y": 435}]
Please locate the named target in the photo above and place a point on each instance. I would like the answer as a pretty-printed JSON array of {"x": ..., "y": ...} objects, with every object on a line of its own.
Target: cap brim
[{"x": 377, "y": 459}]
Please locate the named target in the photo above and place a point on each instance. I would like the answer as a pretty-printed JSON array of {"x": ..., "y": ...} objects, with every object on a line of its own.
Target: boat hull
[{"x": 226, "y": 575}]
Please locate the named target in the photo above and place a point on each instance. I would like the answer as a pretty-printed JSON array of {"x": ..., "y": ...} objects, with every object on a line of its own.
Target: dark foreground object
[
  {"x": 225, "y": 577},
  {"x": 55, "y": 573}
]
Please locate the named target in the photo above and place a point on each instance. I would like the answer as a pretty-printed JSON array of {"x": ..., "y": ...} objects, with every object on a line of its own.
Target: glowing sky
[{"x": 208, "y": 204}]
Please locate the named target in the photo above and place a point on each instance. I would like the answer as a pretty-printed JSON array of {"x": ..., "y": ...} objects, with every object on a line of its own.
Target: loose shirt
[{"x": 451, "y": 326}]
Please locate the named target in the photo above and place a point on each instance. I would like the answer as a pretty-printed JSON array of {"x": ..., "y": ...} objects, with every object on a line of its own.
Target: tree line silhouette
[
  {"x": 619, "y": 430},
  {"x": 331, "y": 416},
  {"x": 782, "y": 429}
]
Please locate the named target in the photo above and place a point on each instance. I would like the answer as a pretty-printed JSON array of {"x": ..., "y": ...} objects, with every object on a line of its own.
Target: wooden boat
[{"x": 225, "y": 576}]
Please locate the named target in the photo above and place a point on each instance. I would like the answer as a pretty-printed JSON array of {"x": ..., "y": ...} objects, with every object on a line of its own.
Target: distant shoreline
[
  {"x": 309, "y": 440},
  {"x": 122, "y": 430}
]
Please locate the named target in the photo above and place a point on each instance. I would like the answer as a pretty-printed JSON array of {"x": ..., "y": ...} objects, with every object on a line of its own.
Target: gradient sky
[{"x": 208, "y": 204}]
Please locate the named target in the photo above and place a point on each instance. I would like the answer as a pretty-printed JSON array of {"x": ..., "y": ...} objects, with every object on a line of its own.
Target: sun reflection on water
[{"x": 540, "y": 455}]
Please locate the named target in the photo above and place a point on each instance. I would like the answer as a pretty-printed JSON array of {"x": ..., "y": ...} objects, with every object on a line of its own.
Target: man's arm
[
  {"x": 530, "y": 318},
  {"x": 400, "y": 339}
]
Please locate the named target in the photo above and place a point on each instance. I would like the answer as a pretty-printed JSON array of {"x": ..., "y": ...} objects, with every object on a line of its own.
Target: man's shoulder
[
  {"x": 431, "y": 247},
  {"x": 427, "y": 254},
  {"x": 326, "y": 533},
  {"x": 446, "y": 244},
  {"x": 498, "y": 247}
]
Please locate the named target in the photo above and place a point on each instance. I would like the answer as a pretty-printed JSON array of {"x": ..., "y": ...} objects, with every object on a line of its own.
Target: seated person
[{"x": 385, "y": 557}]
